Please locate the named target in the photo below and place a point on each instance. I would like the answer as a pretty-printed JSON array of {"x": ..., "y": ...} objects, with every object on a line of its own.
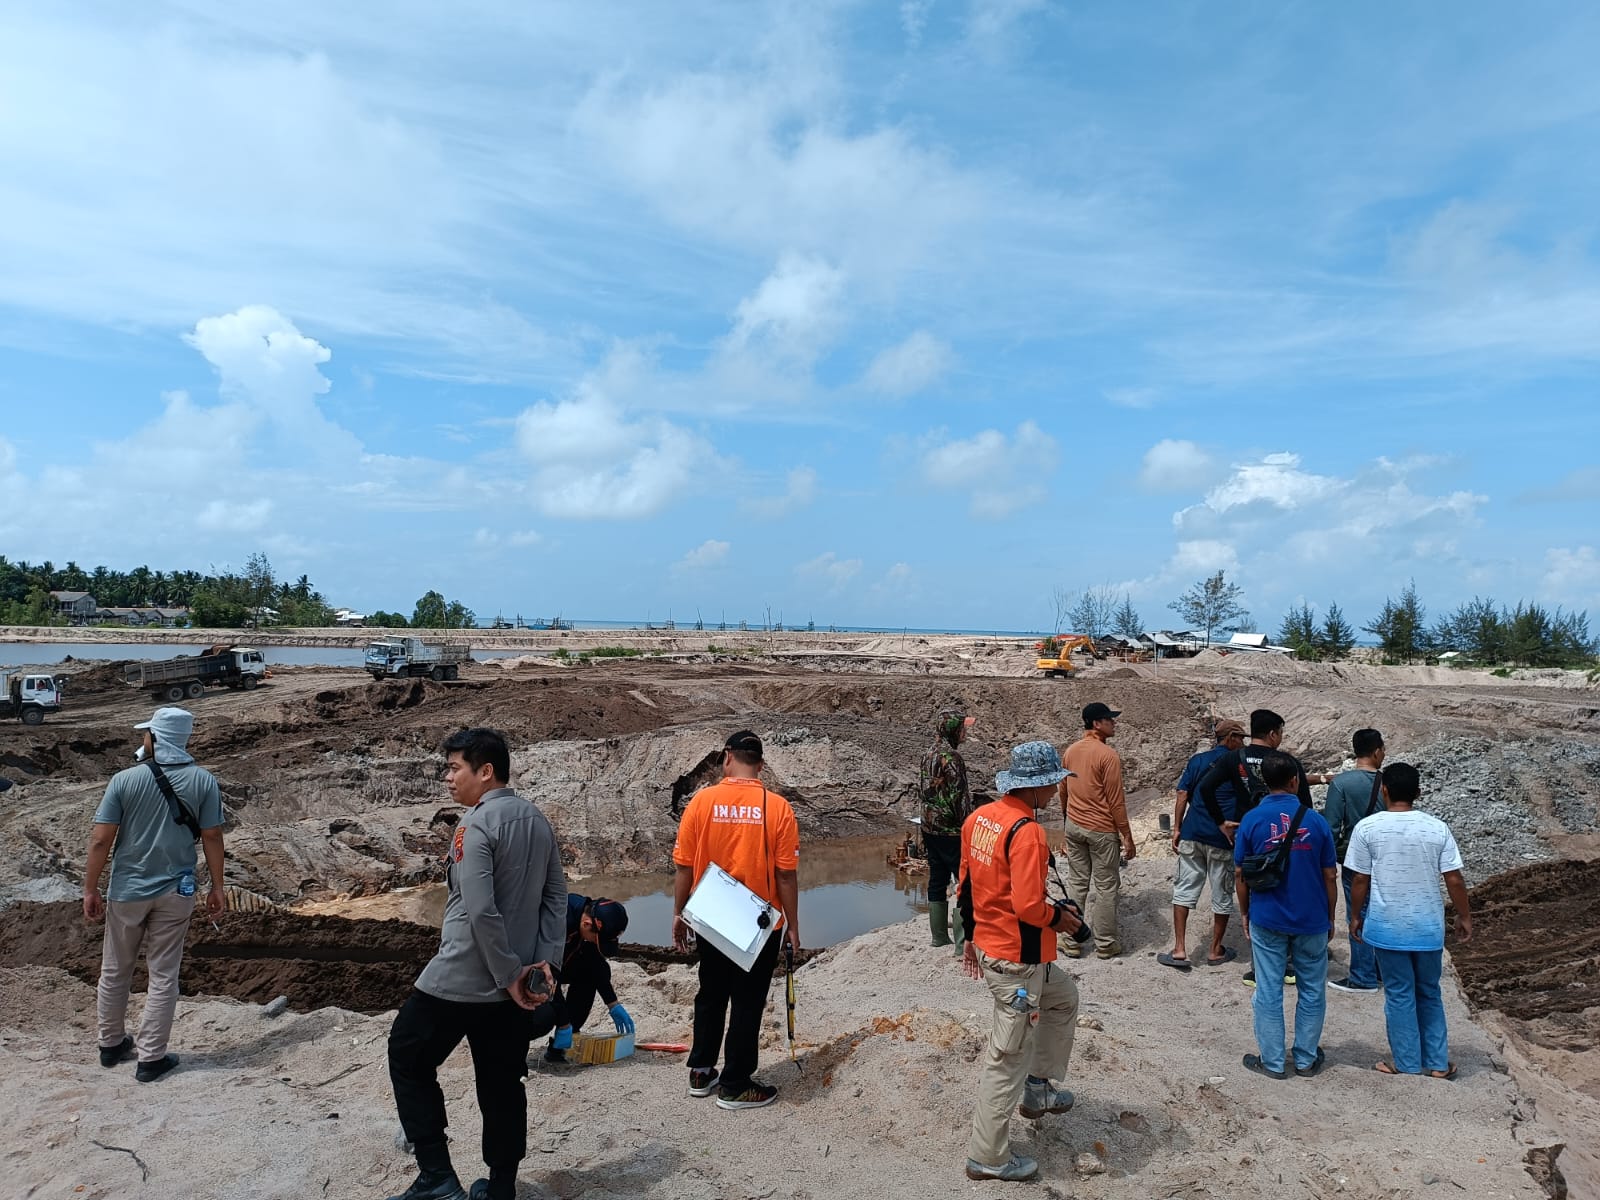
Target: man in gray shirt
[
  {"x": 505, "y": 921},
  {"x": 150, "y": 895},
  {"x": 1352, "y": 797}
]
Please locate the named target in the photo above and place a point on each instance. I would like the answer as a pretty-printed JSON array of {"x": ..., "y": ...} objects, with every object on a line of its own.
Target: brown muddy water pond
[{"x": 846, "y": 888}]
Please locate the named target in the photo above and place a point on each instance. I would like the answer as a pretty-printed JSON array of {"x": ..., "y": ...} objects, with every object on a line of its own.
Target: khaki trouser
[
  {"x": 1037, "y": 1042},
  {"x": 1095, "y": 859},
  {"x": 158, "y": 925}
]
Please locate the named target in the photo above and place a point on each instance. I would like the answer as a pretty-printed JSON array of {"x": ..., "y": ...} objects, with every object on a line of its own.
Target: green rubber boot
[{"x": 939, "y": 921}]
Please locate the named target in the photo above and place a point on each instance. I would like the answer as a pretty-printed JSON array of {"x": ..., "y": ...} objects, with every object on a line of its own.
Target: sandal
[
  {"x": 1252, "y": 1062},
  {"x": 1448, "y": 1073},
  {"x": 1317, "y": 1064},
  {"x": 1383, "y": 1068},
  {"x": 1173, "y": 961},
  {"x": 1227, "y": 956}
]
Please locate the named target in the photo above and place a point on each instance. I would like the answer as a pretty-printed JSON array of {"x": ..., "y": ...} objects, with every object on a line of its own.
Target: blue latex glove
[
  {"x": 563, "y": 1038},
  {"x": 621, "y": 1019}
]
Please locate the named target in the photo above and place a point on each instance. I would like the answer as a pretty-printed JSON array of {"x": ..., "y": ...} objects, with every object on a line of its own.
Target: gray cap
[
  {"x": 1033, "y": 764},
  {"x": 172, "y": 728}
]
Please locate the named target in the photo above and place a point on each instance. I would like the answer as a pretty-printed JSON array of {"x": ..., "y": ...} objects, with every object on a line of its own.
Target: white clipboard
[{"x": 728, "y": 915}]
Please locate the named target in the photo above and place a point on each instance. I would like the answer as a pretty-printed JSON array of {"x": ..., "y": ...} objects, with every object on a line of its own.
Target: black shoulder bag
[
  {"x": 180, "y": 811},
  {"x": 1375, "y": 802},
  {"x": 1265, "y": 872}
]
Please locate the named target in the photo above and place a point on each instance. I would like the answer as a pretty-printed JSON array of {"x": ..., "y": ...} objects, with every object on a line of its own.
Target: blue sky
[{"x": 873, "y": 313}]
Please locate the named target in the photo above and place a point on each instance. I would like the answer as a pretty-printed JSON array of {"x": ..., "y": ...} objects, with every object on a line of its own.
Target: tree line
[
  {"x": 1479, "y": 632},
  {"x": 216, "y": 599}
]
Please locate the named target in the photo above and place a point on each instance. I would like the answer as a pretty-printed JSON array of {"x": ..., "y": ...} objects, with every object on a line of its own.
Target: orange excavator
[{"x": 1055, "y": 653}]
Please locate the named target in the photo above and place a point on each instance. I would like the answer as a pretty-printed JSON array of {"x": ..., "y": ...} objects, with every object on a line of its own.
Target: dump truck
[
  {"x": 189, "y": 675},
  {"x": 400, "y": 657},
  {"x": 1056, "y": 661},
  {"x": 27, "y": 696}
]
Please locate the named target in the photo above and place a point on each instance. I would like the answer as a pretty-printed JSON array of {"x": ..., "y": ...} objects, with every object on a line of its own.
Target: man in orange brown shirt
[
  {"x": 1098, "y": 833},
  {"x": 751, "y": 834},
  {"x": 1011, "y": 925}
]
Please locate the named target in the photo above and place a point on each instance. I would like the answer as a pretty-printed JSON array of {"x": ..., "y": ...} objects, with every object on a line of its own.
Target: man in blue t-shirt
[
  {"x": 1294, "y": 918},
  {"x": 1202, "y": 840}
]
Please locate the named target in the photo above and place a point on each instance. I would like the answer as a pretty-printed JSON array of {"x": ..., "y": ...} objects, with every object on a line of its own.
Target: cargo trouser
[
  {"x": 159, "y": 926},
  {"x": 1094, "y": 861},
  {"x": 1037, "y": 1042}
]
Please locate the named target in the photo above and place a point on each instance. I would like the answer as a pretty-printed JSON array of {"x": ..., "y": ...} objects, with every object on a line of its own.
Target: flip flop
[
  {"x": 1227, "y": 956},
  {"x": 1177, "y": 964},
  {"x": 1252, "y": 1062},
  {"x": 1383, "y": 1068},
  {"x": 1448, "y": 1073}
]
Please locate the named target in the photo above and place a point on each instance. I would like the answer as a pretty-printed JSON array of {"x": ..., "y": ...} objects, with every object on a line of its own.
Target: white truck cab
[{"x": 28, "y": 696}]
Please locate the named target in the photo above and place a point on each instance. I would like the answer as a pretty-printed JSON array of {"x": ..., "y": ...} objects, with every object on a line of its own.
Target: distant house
[
  {"x": 1168, "y": 643},
  {"x": 349, "y": 618},
  {"x": 77, "y": 607},
  {"x": 1257, "y": 643},
  {"x": 169, "y": 618}
]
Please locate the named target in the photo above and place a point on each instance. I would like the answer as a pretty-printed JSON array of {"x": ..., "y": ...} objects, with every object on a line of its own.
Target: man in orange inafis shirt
[
  {"x": 751, "y": 834},
  {"x": 1097, "y": 826},
  {"x": 1011, "y": 925}
]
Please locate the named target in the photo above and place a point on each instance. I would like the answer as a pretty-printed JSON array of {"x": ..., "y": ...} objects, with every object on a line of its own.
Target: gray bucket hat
[
  {"x": 1033, "y": 764},
  {"x": 172, "y": 728}
]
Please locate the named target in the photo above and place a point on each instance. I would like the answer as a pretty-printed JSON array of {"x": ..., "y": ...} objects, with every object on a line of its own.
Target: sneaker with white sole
[
  {"x": 1344, "y": 985},
  {"x": 1014, "y": 1170},
  {"x": 757, "y": 1095},
  {"x": 703, "y": 1081},
  {"x": 1041, "y": 1098}
]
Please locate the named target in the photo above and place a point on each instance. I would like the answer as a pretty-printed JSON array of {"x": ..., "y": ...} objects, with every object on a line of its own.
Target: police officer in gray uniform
[{"x": 504, "y": 923}]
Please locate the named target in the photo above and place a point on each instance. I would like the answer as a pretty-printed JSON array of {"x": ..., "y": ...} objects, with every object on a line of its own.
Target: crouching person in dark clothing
[
  {"x": 593, "y": 927},
  {"x": 503, "y": 927}
]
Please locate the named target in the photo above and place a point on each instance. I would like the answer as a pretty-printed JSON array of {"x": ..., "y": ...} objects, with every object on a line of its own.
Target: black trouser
[
  {"x": 944, "y": 863},
  {"x": 586, "y": 975},
  {"x": 425, "y": 1032},
  {"x": 735, "y": 999}
]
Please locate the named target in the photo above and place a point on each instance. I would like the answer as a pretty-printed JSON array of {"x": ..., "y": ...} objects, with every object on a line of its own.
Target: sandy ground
[
  {"x": 890, "y": 1033},
  {"x": 330, "y": 784}
]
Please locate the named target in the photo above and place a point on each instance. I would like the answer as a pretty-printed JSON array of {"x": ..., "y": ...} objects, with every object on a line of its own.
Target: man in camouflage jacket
[{"x": 946, "y": 803}]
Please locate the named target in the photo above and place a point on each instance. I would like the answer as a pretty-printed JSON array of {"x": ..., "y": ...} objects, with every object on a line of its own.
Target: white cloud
[
  {"x": 1002, "y": 473},
  {"x": 910, "y": 366},
  {"x": 832, "y": 570},
  {"x": 221, "y": 516},
  {"x": 913, "y": 19},
  {"x": 799, "y": 491},
  {"x": 1132, "y": 397},
  {"x": 1173, "y": 465},
  {"x": 1572, "y": 576},
  {"x": 795, "y": 311},
  {"x": 495, "y": 539},
  {"x": 709, "y": 553},
  {"x": 990, "y": 19},
  {"x": 1581, "y": 484},
  {"x": 592, "y": 460}
]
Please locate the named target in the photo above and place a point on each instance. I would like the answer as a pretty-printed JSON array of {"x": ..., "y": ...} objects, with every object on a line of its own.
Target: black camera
[{"x": 1082, "y": 933}]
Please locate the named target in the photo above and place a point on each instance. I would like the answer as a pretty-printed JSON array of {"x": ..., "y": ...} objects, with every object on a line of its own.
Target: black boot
[
  {"x": 501, "y": 1185},
  {"x": 434, "y": 1185}
]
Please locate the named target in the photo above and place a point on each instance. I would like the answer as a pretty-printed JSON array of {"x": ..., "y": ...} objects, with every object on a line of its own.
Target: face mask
[{"x": 138, "y": 755}]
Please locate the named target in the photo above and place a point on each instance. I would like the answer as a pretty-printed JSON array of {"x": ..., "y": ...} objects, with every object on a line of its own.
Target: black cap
[
  {"x": 1098, "y": 712},
  {"x": 612, "y": 918},
  {"x": 746, "y": 743}
]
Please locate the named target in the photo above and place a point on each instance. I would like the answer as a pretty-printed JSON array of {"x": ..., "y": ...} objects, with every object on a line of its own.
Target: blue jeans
[
  {"x": 1413, "y": 1009},
  {"x": 1363, "y": 962},
  {"x": 1270, "y": 955}
]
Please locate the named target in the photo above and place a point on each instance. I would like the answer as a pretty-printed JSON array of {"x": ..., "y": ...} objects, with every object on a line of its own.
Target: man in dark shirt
[
  {"x": 1205, "y": 853},
  {"x": 593, "y": 927},
  {"x": 946, "y": 802},
  {"x": 1352, "y": 797},
  {"x": 1242, "y": 768}
]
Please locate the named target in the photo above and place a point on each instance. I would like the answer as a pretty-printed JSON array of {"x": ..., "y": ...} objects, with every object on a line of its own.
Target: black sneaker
[
  {"x": 434, "y": 1185},
  {"x": 703, "y": 1081},
  {"x": 110, "y": 1056},
  {"x": 757, "y": 1095},
  {"x": 1344, "y": 985},
  {"x": 552, "y": 1055},
  {"x": 149, "y": 1072}
]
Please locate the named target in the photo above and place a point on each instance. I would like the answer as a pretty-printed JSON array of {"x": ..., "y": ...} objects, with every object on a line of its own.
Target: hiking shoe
[
  {"x": 149, "y": 1072},
  {"x": 702, "y": 1081},
  {"x": 1014, "y": 1170},
  {"x": 1112, "y": 951},
  {"x": 110, "y": 1056},
  {"x": 1041, "y": 1098},
  {"x": 434, "y": 1185},
  {"x": 1249, "y": 979},
  {"x": 757, "y": 1095},
  {"x": 1344, "y": 985},
  {"x": 1070, "y": 950}
]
